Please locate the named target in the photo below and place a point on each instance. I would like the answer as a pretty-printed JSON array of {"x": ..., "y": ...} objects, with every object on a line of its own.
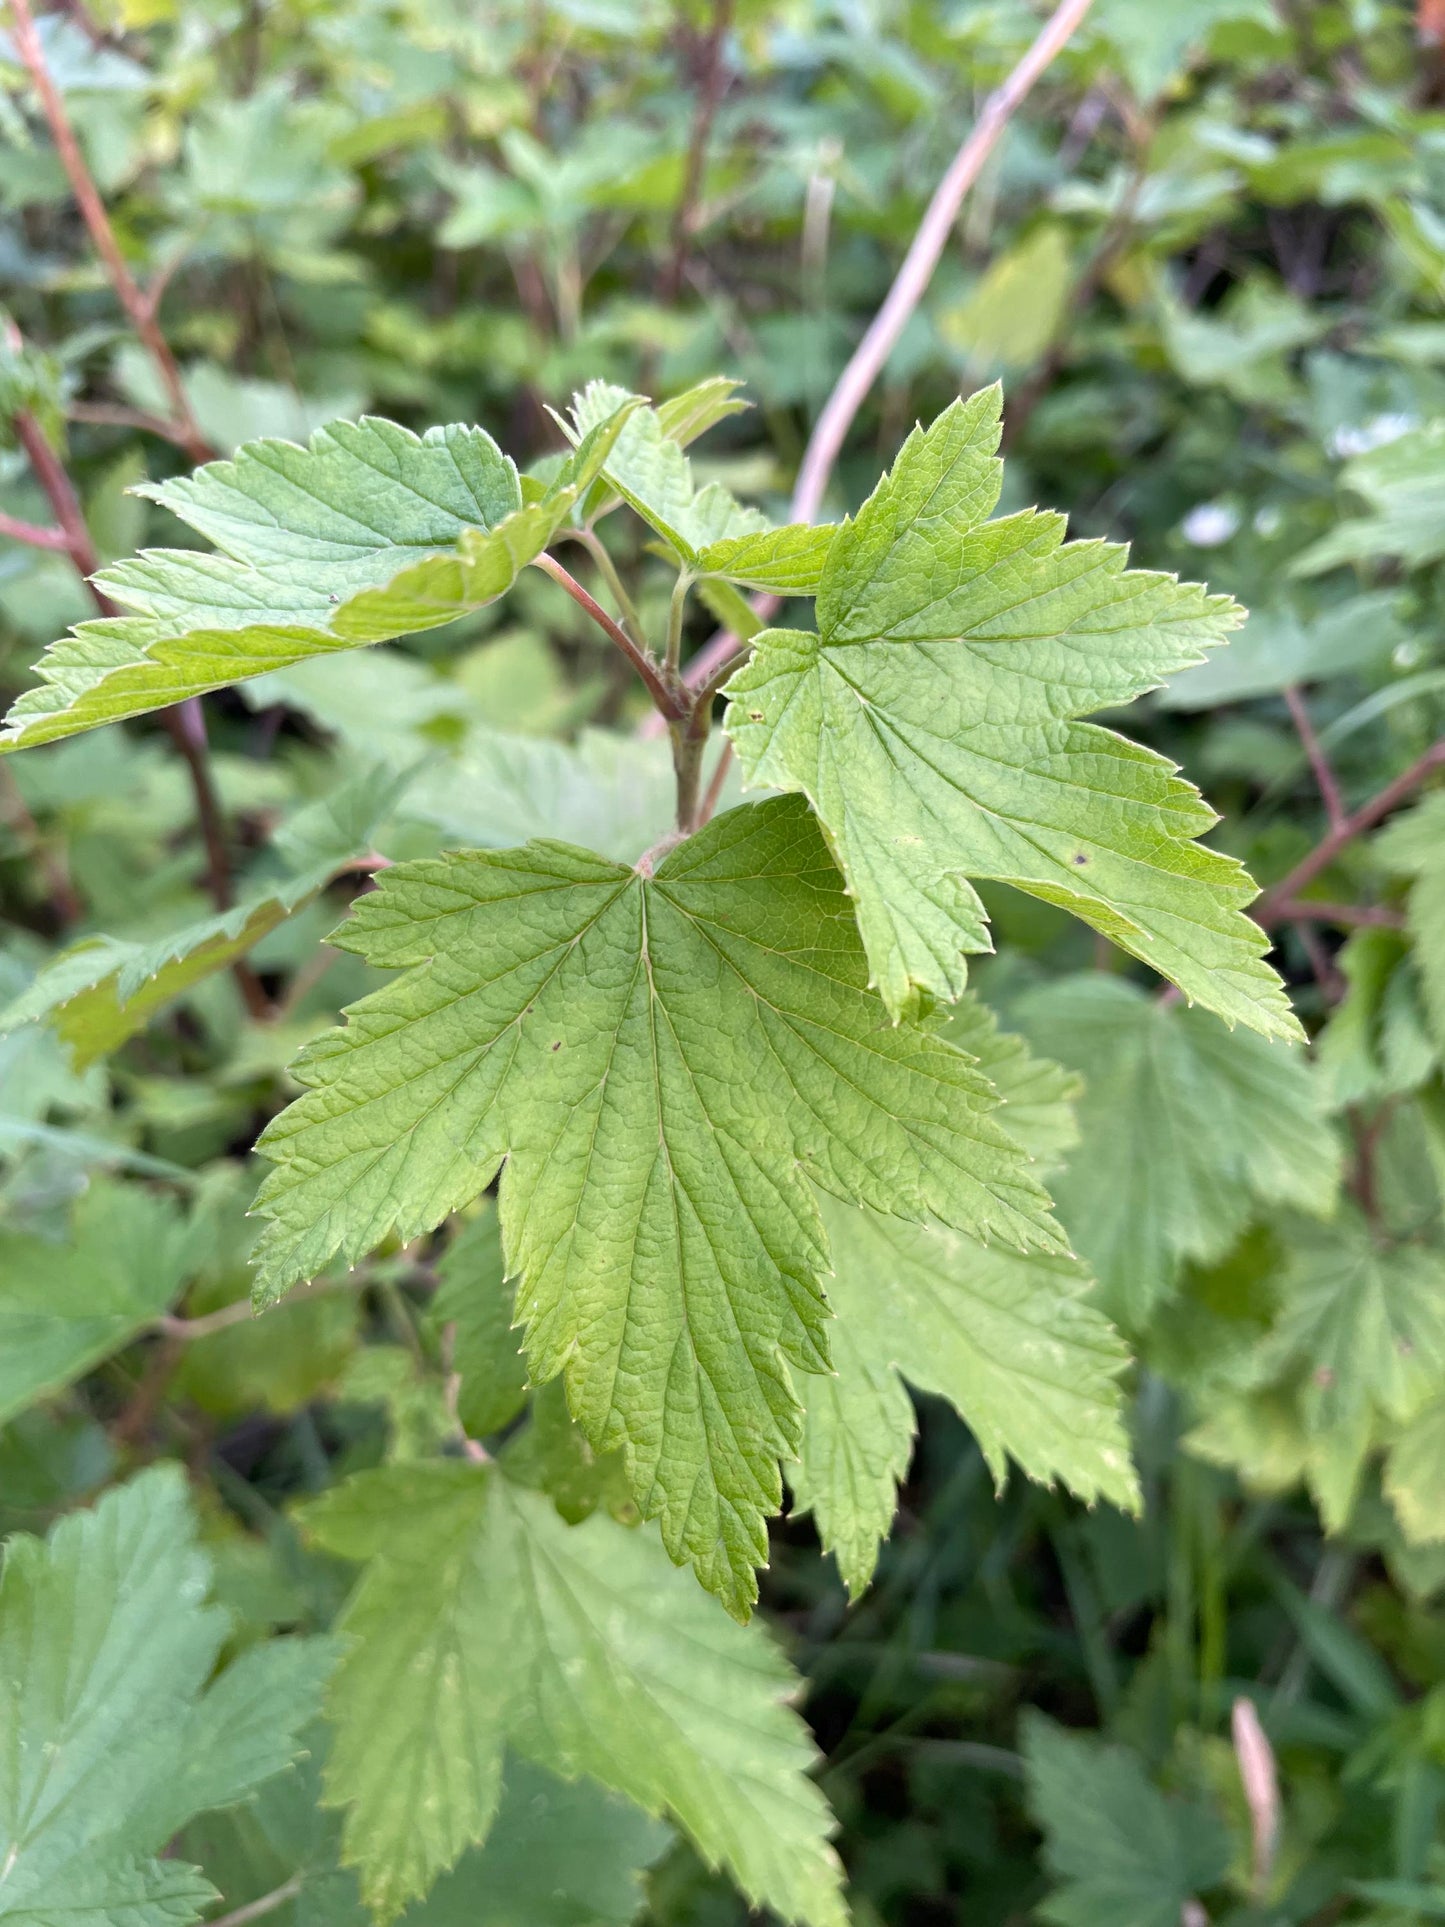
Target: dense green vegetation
[{"x": 1098, "y": 1536}]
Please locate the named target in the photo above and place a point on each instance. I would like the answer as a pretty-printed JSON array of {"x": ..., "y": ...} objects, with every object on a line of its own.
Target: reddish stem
[
  {"x": 138, "y": 308},
  {"x": 1325, "y": 778}
]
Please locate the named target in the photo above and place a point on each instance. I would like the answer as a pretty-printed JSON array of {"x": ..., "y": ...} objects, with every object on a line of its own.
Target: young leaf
[
  {"x": 1186, "y": 1129},
  {"x": 65, "y": 1307},
  {"x": 483, "y": 1620},
  {"x": 930, "y": 724},
  {"x": 1010, "y": 1341},
  {"x": 367, "y": 534},
  {"x": 1123, "y": 1855},
  {"x": 666, "y": 1062},
  {"x": 105, "y": 1647},
  {"x": 789, "y": 561},
  {"x": 648, "y": 470}
]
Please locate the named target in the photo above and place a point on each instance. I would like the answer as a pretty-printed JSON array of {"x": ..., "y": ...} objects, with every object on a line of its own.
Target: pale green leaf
[
  {"x": 1122, "y": 1854},
  {"x": 1039, "y": 1094},
  {"x": 482, "y": 1620},
  {"x": 670, "y": 1065},
  {"x": 1402, "y": 485},
  {"x": 1009, "y": 1340},
  {"x": 1187, "y": 1129},
  {"x": 111, "y": 1744},
  {"x": 930, "y": 724},
  {"x": 474, "y": 1302},
  {"x": 64, "y": 1307},
  {"x": 788, "y": 561},
  {"x": 1277, "y": 648},
  {"x": 367, "y": 534},
  {"x": 104, "y": 989},
  {"x": 1413, "y": 1482},
  {"x": 649, "y": 471}
]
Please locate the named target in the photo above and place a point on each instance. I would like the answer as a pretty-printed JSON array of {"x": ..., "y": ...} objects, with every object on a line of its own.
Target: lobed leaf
[
  {"x": 368, "y": 533},
  {"x": 482, "y": 1620},
  {"x": 670, "y": 1065},
  {"x": 930, "y": 722}
]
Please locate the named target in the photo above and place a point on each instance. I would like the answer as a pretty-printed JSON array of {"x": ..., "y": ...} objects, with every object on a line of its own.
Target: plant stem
[
  {"x": 1324, "y": 774},
  {"x": 688, "y": 744},
  {"x": 32, "y": 534},
  {"x": 677, "y": 609},
  {"x": 607, "y": 569},
  {"x": 671, "y": 702},
  {"x": 1278, "y": 900},
  {"x": 185, "y": 721},
  {"x": 909, "y": 285},
  {"x": 258, "y": 1909},
  {"x": 139, "y": 310},
  {"x": 715, "y": 787},
  {"x": 686, "y": 219},
  {"x": 1347, "y": 915},
  {"x": 912, "y": 279}
]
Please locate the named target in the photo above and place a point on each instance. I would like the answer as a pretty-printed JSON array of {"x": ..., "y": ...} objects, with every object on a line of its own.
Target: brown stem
[
  {"x": 710, "y": 89},
  {"x": 111, "y": 415},
  {"x": 31, "y": 533},
  {"x": 1325, "y": 779},
  {"x": 87, "y": 195},
  {"x": 1273, "y": 905},
  {"x": 714, "y": 789},
  {"x": 185, "y": 721},
  {"x": 671, "y": 703},
  {"x": 1348, "y": 916},
  {"x": 267, "y": 1904}
]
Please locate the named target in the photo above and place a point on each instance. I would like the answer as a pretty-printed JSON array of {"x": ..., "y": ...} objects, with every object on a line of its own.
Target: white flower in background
[
  {"x": 1208, "y": 524},
  {"x": 1360, "y": 437}
]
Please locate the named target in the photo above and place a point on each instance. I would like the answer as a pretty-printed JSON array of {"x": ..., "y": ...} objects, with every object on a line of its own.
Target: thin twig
[
  {"x": 104, "y": 414},
  {"x": 671, "y": 703},
  {"x": 908, "y": 289},
  {"x": 189, "y": 1329},
  {"x": 1274, "y": 904},
  {"x": 1314, "y": 749},
  {"x": 32, "y": 534},
  {"x": 140, "y": 312},
  {"x": 1348, "y": 916},
  {"x": 712, "y": 795},
  {"x": 686, "y": 219},
  {"x": 258, "y": 1909},
  {"x": 185, "y": 721},
  {"x": 927, "y": 245}
]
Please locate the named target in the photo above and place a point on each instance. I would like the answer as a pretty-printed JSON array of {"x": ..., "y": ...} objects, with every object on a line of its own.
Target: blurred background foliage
[{"x": 1208, "y": 263}]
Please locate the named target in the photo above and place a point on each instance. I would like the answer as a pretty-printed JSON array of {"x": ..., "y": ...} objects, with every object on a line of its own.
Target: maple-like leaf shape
[
  {"x": 482, "y": 1621},
  {"x": 369, "y": 533},
  {"x": 930, "y": 722},
  {"x": 669, "y": 1064}
]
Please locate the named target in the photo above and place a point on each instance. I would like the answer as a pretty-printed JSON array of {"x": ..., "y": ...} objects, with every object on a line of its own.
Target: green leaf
[
  {"x": 1122, "y": 1855},
  {"x": 789, "y": 561},
  {"x": 1277, "y": 648},
  {"x": 474, "y": 1301},
  {"x": 670, "y": 1064},
  {"x": 649, "y": 471},
  {"x": 1414, "y": 845},
  {"x": 483, "y": 1620},
  {"x": 930, "y": 724},
  {"x": 606, "y": 791},
  {"x": 1039, "y": 1093},
  {"x": 104, "y": 989},
  {"x": 105, "y": 1647},
  {"x": 367, "y": 534},
  {"x": 1401, "y": 483},
  {"x": 1412, "y": 1475},
  {"x": 1186, "y": 1130},
  {"x": 1010, "y": 1341},
  {"x": 64, "y": 1307}
]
